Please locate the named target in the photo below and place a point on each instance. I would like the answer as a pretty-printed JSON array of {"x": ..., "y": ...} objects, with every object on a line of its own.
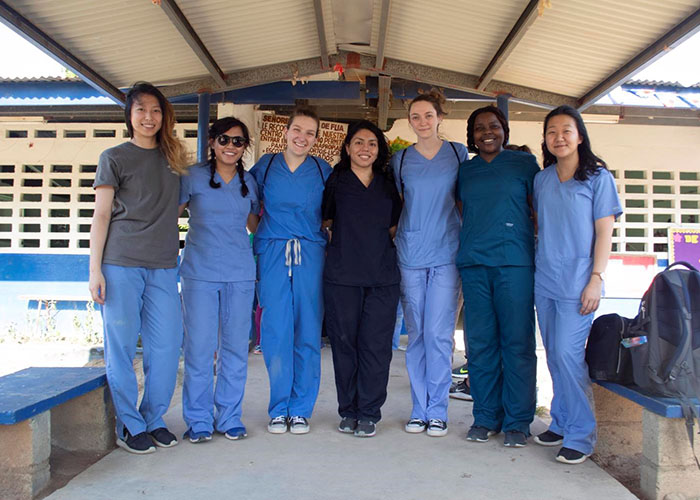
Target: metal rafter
[
  {"x": 321, "y": 27},
  {"x": 20, "y": 25},
  {"x": 383, "y": 27},
  {"x": 526, "y": 19},
  {"x": 189, "y": 35},
  {"x": 674, "y": 37}
]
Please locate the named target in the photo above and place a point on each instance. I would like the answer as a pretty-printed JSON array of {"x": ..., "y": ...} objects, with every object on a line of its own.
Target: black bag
[
  {"x": 668, "y": 364},
  {"x": 606, "y": 357}
]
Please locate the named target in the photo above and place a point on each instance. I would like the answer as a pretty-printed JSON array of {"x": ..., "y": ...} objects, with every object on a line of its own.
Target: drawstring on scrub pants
[{"x": 292, "y": 254}]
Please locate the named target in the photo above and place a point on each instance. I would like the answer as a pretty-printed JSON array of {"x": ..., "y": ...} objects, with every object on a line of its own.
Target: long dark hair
[
  {"x": 472, "y": 120},
  {"x": 217, "y": 128},
  {"x": 379, "y": 167},
  {"x": 172, "y": 148},
  {"x": 588, "y": 163}
]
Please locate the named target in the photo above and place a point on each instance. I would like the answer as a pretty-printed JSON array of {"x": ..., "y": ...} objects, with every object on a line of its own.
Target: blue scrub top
[
  {"x": 496, "y": 226},
  {"x": 566, "y": 215},
  {"x": 428, "y": 232},
  {"x": 217, "y": 247},
  {"x": 292, "y": 200}
]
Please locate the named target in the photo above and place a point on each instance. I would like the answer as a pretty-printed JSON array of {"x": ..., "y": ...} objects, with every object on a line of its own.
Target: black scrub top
[{"x": 361, "y": 251}]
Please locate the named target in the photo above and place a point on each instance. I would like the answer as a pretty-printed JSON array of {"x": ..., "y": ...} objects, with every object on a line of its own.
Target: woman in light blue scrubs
[
  {"x": 496, "y": 264},
  {"x": 576, "y": 204},
  {"x": 290, "y": 247},
  {"x": 426, "y": 242},
  {"x": 133, "y": 266},
  {"x": 218, "y": 283}
]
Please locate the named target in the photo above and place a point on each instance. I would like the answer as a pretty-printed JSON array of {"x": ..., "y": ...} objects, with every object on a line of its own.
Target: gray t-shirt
[{"x": 143, "y": 230}]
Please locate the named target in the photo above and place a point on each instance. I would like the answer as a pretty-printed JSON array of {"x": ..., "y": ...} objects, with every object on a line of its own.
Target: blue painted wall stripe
[{"x": 44, "y": 267}]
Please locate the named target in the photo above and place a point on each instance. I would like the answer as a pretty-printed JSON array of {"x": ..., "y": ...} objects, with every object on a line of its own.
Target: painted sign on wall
[
  {"x": 330, "y": 137},
  {"x": 684, "y": 244}
]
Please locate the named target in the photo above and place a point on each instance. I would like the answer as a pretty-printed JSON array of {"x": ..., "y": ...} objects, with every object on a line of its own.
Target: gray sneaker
[
  {"x": 365, "y": 428},
  {"x": 479, "y": 434},
  {"x": 347, "y": 425},
  {"x": 515, "y": 439}
]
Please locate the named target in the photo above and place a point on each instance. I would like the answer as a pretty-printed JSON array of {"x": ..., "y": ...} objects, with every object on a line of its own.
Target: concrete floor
[{"x": 326, "y": 464}]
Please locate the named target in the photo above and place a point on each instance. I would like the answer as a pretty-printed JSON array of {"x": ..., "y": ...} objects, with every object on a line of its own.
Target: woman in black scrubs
[{"x": 361, "y": 208}]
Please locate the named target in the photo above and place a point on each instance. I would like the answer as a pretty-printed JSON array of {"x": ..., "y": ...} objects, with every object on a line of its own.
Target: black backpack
[
  {"x": 606, "y": 357},
  {"x": 668, "y": 364}
]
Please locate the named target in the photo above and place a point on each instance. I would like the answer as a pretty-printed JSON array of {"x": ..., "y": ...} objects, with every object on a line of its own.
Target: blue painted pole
[
  {"x": 204, "y": 99},
  {"x": 502, "y": 103}
]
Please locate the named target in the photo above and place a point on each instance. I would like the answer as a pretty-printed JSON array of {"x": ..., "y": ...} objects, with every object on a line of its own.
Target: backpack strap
[
  {"x": 459, "y": 162},
  {"x": 318, "y": 166},
  {"x": 267, "y": 169}
]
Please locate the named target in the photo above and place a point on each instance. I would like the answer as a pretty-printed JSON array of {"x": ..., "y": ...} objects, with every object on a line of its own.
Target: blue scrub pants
[
  {"x": 564, "y": 333},
  {"x": 499, "y": 321},
  {"x": 290, "y": 326},
  {"x": 429, "y": 298},
  {"x": 217, "y": 321},
  {"x": 141, "y": 301}
]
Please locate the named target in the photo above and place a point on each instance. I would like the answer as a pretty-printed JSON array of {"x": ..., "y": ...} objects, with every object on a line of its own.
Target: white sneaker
[
  {"x": 277, "y": 425},
  {"x": 437, "y": 427},
  {"x": 416, "y": 426},
  {"x": 298, "y": 425}
]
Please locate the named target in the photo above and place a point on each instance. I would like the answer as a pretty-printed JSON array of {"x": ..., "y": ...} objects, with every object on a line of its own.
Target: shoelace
[
  {"x": 297, "y": 420},
  {"x": 279, "y": 420},
  {"x": 436, "y": 422}
]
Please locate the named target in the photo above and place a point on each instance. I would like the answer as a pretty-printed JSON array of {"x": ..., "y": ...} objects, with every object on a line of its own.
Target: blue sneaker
[
  {"x": 235, "y": 433},
  {"x": 197, "y": 437}
]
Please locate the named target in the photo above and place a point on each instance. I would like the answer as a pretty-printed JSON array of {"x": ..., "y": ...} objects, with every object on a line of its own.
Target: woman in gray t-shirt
[{"x": 133, "y": 259}]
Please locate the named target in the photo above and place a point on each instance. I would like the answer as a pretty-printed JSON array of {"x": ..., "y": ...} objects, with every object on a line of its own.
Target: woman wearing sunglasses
[
  {"x": 218, "y": 283},
  {"x": 290, "y": 248}
]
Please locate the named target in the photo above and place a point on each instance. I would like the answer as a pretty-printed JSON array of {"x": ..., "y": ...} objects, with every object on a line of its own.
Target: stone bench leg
[
  {"x": 85, "y": 423},
  {"x": 24, "y": 457},
  {"x": 667, "y": 465},
  {"x": 619, "y": 426}
]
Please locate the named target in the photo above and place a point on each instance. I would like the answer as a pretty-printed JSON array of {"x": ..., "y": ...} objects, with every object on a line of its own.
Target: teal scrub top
[
  {"x": 497, "y": 228},
  {"x": 292, "y": 200},
  {"x": 566, "y": 215},
  {"x": 428, "y": 232},
  {"x": 217, "y": 246}
]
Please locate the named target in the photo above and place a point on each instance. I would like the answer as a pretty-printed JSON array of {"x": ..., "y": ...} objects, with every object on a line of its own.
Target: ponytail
[{"x": 241, "y": 175}]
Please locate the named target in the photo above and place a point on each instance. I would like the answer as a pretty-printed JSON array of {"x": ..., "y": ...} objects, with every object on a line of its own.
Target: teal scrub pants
[{"x": 499, "y": 321}]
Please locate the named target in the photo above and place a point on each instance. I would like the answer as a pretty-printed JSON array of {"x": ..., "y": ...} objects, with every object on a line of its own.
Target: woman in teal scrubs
[
  {"x": 576, "y": 203},
  {"x": 495, "y": 261}
]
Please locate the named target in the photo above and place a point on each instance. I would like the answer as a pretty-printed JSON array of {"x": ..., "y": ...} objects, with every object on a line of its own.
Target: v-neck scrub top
[
  {"x": 292, "y": 200},
  {"x": 217, "y": 246},
  {"x": 497, "y": 229},
  {"x": 566, "y": 215},
  {"x": 361, "y": 252},
  {"x": 428, "y": 232}
]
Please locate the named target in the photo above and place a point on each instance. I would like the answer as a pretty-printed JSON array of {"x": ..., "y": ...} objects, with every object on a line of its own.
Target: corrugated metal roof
[
  {"x": 459, "y": 36},
  {"x": 576, "y": 44}
]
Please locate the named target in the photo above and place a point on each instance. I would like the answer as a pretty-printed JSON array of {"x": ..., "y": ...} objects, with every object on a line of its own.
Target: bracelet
[{"x": 599, "y": 274}]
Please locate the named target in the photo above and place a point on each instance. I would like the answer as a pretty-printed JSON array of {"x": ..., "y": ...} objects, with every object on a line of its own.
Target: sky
[{"x": 20, "y": 59}]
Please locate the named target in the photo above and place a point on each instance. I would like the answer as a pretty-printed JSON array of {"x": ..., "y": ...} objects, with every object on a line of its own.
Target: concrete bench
[
  {"x": 646, "y": 433},
  {"x": 70, "y": 408}
]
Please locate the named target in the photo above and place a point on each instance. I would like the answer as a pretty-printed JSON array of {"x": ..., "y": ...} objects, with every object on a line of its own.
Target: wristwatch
[{"x": 600, "y": 274}]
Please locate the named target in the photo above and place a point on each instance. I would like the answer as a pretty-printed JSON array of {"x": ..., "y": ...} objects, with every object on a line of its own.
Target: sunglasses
[{"x": 237, "y": 141}]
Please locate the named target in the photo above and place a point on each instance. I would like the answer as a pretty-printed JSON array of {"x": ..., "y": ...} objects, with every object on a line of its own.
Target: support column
[
  {"x": 24, "y": 460},
  {"x": 202, "y": 125}
]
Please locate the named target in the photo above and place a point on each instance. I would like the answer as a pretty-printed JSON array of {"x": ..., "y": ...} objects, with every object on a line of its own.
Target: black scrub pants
[{"x": 360, "y": 325}]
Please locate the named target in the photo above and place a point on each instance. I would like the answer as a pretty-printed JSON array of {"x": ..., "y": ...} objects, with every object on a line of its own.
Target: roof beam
[
  {"x": 674, "y": 37},
  {"x": 383, "y": 26},
  {"x": 321, "y": 27},
  {"x": 187, "y": 32},
  {"x": 20, "y": 25},
  {"x": 526, "y": 19},
  {"x": 383, "y": 101}
]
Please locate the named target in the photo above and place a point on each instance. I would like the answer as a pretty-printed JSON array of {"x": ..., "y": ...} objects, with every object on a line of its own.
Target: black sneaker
[
  {"x": 436, "y": 427},
  {"x": 479, "y": 434},
  {"x": 569, "y": 456},
  {"x": 365, "y": 428},
  {"x": 298, "y": 425},
  {"x": 461, "y": 372},
  {"x": 461, "y": 390},
  {"x": 347, "y": 425},
  {"x": 515, "y": 439},
  {"x": 163, "y": 438},
  {"x": 416, "y": 425},
  {"x": 549, "y": 438},
  {"x": 139, "y": 444}
]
